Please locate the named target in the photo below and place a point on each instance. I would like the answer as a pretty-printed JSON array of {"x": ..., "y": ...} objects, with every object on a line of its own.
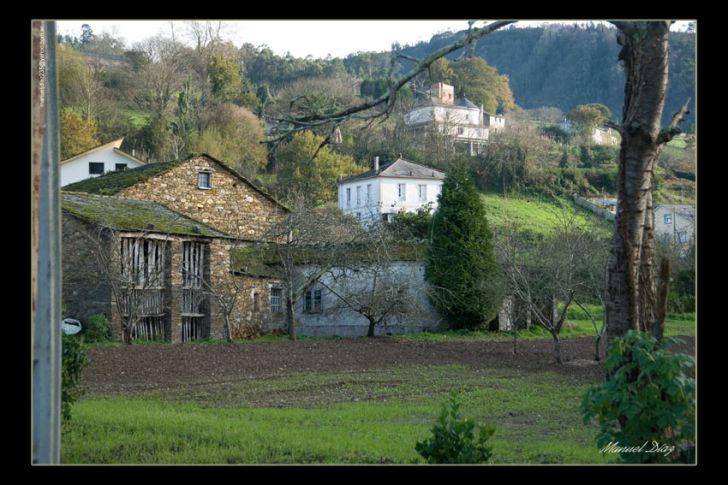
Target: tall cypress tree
[{"x": 461, "y": 266}]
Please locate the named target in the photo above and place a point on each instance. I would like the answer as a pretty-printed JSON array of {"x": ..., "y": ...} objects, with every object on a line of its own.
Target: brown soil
[{"x": 146, "y": 367}]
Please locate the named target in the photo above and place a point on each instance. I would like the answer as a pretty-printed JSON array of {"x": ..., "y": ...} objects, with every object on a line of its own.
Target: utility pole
[{"x": 46, "y": 249}]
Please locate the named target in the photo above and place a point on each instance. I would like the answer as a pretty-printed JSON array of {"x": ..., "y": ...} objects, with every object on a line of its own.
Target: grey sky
[{"x": 299, "y": 37}]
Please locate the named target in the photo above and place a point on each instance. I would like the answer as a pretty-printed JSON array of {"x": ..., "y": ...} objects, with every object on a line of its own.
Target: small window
[
  {"x": 276, "y": 300},
  {"x": 402, "y": 192},
  {"x": 423, "y": 192},
  {"x": 120, "y": 166},
  {"x": 668, "y": 219},
  {"x": 461, "y": 130},
  {"x": 204, "y": 180},
  {"x": 96, "y": 168},
  {"x": 256, "y": 301},
  {"x": 312, "y": 302},
  {"x": 358, "y": 195},
  {"x": 369, "y": 194},
  {"x": 348, "y": 197}
]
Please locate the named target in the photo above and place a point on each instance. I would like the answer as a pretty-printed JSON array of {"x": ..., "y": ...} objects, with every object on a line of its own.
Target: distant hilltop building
[
  {"x": 382, "y": 192},
  {"x": 461, "y": 119}
]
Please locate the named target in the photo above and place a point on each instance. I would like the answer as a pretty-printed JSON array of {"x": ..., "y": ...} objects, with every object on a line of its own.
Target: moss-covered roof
[
  {"x": 263, "y": 260},
  {"x": 114, "y": 182},
  {"x": 133, "y": 215}
]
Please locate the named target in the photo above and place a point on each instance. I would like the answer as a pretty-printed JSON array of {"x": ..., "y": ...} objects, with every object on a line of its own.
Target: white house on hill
[
  {"x": 394, "y": 187},
  {"x": 97, "y": 161},
  {"x": 460, "y": 119}
]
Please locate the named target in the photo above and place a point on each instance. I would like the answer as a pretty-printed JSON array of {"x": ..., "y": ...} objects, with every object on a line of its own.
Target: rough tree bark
[{"x": 631, "y": 282}]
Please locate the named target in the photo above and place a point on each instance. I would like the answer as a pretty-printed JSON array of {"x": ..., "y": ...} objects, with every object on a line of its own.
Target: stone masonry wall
[
  {"x": 231, "y": 205},
  {"x": 86, "y": 288},
  {"x": 246, "y": 320}
]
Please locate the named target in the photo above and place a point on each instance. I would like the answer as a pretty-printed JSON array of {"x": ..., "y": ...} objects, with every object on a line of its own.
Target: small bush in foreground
[{"x": 454, "y": 439}]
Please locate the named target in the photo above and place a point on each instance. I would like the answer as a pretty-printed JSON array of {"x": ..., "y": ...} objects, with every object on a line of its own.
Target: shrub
[
  {"x": 648, "y": 400},
  {"x": 97, "y": 328},
  {"x": 73, "y": 361},
  {"x": 453, "y": 438}
]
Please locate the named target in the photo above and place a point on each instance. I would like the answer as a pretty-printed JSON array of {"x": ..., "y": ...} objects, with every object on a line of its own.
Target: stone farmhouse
[
  {"x": 167, "y": 230},
  {"x": 97, "y": 161}
]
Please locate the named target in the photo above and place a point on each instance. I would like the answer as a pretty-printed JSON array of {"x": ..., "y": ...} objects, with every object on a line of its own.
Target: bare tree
[
  {"x": 304, "y": 245},
  {"x": 632, "y": 302},
  {"x": 368, "y": 281},
  {"x": 593, "y": 273},
  {"x": 543, "y": 271}
]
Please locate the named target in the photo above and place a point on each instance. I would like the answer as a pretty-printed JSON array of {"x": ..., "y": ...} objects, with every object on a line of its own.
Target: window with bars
[
  {"x": 312, "y": 302},
  {"x": 276, "y": 300},
  {"x": 142, "y": 262}
]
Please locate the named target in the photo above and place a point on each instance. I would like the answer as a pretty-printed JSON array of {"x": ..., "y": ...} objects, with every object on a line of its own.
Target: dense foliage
[
  {"x": 460, "y": 264},
  {"x": 648, "y": 399},
  {"x": 563, "y": 66}
]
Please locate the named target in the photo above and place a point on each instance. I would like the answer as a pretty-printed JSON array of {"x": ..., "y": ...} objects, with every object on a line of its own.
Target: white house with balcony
[
  {"x": 97, "y": 161},
  {"x": 382, "y": 192},
  {"x": 461, "y": 119}
]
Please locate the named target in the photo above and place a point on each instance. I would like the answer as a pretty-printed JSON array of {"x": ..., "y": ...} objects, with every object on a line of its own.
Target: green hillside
[{"x": 538, "y": 215}]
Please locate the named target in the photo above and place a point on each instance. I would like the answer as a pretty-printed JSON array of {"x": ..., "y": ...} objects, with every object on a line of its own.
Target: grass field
[
  {"x": 372, "y": 416},
  {"x": 537, "y": 215},
  {"x": 383, "y": 415}
]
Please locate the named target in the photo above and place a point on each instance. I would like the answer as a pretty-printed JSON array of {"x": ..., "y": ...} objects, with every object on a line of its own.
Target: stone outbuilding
[{"x": 153, "y": 245}]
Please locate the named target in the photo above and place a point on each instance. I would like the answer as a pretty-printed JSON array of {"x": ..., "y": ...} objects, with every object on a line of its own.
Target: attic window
[{"x": 204, "y": 180}]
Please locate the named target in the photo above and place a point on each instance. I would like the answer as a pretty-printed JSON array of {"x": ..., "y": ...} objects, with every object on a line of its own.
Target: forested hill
[{"x": 563, "y": 66}]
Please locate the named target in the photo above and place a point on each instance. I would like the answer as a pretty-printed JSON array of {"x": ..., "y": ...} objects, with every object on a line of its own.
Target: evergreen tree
[{"x": 461, "y": 265}]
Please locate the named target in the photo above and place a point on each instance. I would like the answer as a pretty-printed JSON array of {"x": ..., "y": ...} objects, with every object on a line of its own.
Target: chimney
[{"x": 376, "y": 164}]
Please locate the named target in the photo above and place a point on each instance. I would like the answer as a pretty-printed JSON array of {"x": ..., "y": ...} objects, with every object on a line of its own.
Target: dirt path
[{"x": 139, "y": 367}]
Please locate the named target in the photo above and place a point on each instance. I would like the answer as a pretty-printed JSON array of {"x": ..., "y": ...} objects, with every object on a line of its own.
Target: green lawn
[
  {"x": 369, "y": 417},
  {"x": 537, "y": 215}
]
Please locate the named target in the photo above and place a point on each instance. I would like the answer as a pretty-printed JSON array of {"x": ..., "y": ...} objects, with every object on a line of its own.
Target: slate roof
[
  {"x": 114, "y": 182},
  {"x": 465, "y": 102},
  {"x": 133, "y": 215},
  {"x": 400, "y": 168}
]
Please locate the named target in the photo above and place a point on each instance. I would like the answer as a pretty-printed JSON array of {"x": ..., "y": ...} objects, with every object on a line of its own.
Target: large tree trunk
[
  {"x": 370, "y": 331},
  {"x": 630, "y": 276}
]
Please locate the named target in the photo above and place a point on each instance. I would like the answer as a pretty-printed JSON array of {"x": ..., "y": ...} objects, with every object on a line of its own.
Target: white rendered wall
[{"x": 78, "y": 169}]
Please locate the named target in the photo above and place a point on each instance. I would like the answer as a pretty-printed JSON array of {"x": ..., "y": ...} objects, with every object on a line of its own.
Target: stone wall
[
  {"x": 231, "y": 205},
  {"x": 247, "y": 319},
  {"x": 86, "y": 287}
]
